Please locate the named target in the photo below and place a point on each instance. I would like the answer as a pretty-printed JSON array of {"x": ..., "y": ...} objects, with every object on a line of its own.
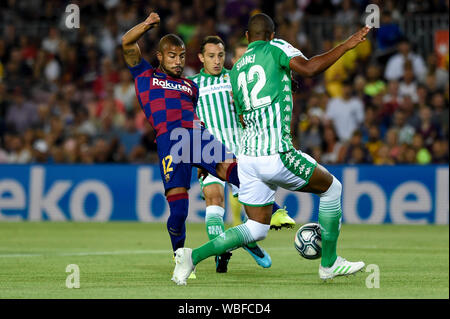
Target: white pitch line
[
  {"x": 94, "y": 253},
  {"x": 135, "y": 252}
]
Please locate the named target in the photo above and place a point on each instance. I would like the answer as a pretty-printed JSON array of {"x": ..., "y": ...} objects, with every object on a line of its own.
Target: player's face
[
  {"x": 213, "y": 58},
  {"x": 172, "y": 60}
]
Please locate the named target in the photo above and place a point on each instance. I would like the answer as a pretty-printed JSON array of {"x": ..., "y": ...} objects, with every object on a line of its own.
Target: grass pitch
[{"x": 134, "y": 260}]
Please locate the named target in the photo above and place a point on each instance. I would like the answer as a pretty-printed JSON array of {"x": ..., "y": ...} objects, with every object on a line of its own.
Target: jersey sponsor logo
[
  {"x": 246, "y": 59},
  {"x": 171, "y": 86},
  {"x": 215, "y": 88}
]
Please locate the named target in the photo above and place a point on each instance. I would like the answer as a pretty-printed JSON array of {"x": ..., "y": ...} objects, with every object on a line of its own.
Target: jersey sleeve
[
  {"x": 196, "y": 93},
  {"x": 283, "y": 52},
  {"x": 140, "y": 68}
]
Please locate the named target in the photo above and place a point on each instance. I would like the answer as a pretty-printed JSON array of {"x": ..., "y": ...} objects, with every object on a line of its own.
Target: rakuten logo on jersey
[{"x": 171, "y": 86}]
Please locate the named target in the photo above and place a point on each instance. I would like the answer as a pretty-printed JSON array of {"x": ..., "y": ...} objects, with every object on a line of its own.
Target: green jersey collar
[{"x": 255, "y": 43}]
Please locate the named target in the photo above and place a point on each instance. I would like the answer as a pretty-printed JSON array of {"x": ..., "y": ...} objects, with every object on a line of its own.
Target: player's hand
[
  {"x": 152, "y": 20},
  {"x": 357, "y": 38}
]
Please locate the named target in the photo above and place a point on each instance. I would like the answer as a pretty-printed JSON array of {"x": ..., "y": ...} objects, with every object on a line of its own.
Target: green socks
[
  {"x": 231, "y": 239},
  {"x": 330, "y": 223},
  {"x": 214, "y": 221}
]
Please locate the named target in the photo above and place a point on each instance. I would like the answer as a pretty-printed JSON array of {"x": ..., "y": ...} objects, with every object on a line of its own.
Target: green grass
[{"x": 133, "y": 260}]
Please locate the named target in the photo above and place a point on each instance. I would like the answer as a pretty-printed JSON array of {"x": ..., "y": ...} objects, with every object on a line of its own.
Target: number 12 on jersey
[{"x": 251, "y": 101}]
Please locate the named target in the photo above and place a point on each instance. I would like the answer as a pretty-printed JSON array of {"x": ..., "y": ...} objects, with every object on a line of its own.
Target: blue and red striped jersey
[{"x": 167, "y": 102}]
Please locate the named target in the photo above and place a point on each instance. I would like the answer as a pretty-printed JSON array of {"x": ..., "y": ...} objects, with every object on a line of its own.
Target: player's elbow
[
  {"x": 312, "y": 69},
  {"x": 305, "y": 71},
  {"x": 302, "y": 66},
  {"x": 125, "y": 41}
]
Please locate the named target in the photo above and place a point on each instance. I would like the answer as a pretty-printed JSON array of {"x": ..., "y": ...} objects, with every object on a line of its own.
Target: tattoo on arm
[{"x": 132, "y": 55}]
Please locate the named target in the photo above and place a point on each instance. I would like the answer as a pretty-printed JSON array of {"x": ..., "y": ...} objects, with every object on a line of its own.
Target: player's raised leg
[
  {"x": 214, "y": 196},
  {"x": 232, "y": 238},
  {"x": 329, "y": 190}
]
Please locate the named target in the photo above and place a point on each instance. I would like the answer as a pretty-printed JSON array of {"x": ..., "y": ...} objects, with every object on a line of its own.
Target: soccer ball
[{"x": 308, "y": 241}]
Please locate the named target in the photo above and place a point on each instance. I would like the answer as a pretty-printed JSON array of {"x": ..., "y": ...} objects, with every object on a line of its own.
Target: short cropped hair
[
  {"x": 260, "y": 26},
  {"x": 170, "y": 39},
  {"x": 214, "y": 39}
]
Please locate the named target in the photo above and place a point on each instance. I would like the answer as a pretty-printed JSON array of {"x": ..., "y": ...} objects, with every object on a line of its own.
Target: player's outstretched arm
[
  {"x": 320, "y": 63},
  {"x": 131, "y": 51}
]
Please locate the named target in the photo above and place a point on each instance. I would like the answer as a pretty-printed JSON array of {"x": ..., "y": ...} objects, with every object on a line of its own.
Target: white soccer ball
[{"x": 308, "y": 241}]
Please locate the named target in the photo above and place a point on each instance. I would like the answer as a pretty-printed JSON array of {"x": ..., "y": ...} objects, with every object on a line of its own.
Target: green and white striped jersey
[
  {"x": 216, "y": 109},
  {"x": 261, "y": 82}
]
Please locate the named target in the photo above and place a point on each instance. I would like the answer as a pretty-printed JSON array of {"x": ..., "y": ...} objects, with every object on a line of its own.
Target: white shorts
[
  {"x": 260, "y": 176},
  {"x": 211, "y": 179}
]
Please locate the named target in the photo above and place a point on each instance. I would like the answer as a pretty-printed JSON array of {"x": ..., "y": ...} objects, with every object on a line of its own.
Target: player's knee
[
  {"x": 177, "y": 219},
  {"x": 334, "y": 191},
  {"x": 257, "y": 230}
]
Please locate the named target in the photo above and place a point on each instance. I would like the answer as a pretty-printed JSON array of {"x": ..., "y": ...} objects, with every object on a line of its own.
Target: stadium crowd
[{"x": 66, "y": 95}]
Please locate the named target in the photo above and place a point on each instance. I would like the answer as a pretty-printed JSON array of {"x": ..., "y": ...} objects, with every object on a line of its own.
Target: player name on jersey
[{"x": 245, "y": 60}]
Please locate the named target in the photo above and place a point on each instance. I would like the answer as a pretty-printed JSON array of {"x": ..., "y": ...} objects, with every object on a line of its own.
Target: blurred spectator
[
  {"x": 405, "y": 130},
  {"x": 347, "y": 113},
  {"x": 124, "y": 90},
  {"x": 374, "y": 84},
  {"x": 409, "y": 109},
  {"x": 408, "y": 85},
  {"x": 370, "y": 119},
  {"x": 359, "y": 83},
  {"x": 408, "y": 155},
  {"x": 354, "y": 151},
  {"x": 439, "y": 151},
  {"x": 374, "y": 142},
  {"x": 396, "y": 64},
  {"x": 391, "y": 141},
  {"x": 423, "y": 156},
  {"x": 426, "y": 128},
  {"x": 51, "y": 42},
  {"x": 383, "y": 157},
  {"x": 343, "y": 69},
  {"x": 440, "y": 73},
  {"x": 106, "y": 80},
  {"x": 346, "y": 13},
  {"x": 440, "y": 112},
  {"x": 332, "y": 149},
  {"x": 17, "y": 153},
  {"x": 22, "y": 113},
  {"x": 392, "y": 98},
  {"x": 312, "y": 137},
  {"x": 40, "y": 152},
  {"x": 387, "y": 36},
  {"x": 129, "y": 136}
]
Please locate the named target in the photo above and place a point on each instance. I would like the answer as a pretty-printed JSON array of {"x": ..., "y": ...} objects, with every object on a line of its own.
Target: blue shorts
[{"x": 181, "y": 149}]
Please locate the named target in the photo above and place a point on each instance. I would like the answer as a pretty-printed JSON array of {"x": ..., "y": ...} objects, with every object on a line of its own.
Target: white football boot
[
  {"x": 341, "y": 267},
  {"x": 183, "y": 265}
]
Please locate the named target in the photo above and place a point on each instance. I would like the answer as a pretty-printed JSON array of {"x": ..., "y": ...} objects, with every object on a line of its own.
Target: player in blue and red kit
[{"x": 169, "y": 102}]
